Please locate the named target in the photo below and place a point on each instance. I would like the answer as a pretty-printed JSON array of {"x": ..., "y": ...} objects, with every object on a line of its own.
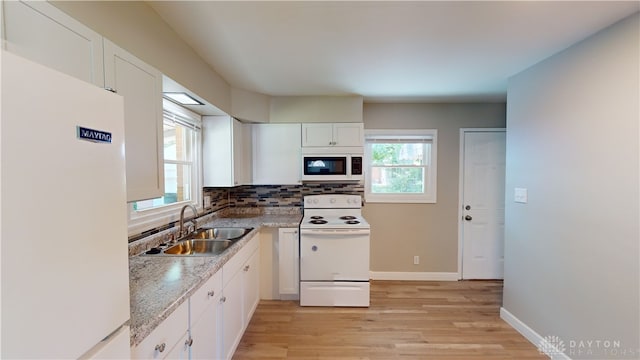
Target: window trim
[
  {"x": 142, "y": 220},
  {"x": 430, "y": 136}
]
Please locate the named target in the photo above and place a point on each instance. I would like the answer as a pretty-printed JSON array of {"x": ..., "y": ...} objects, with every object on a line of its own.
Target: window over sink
[
  {"x": 401, "y": 166},
  {"x": 182, "y": 159}
]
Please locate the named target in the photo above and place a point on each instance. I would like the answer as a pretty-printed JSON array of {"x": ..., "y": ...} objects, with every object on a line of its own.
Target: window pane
[
  {"x": 177, "y": 187},
  {"x": 397, "y": 154},
  {"x": 397, "y": 180},
  {"x": 178, "y": 142}
]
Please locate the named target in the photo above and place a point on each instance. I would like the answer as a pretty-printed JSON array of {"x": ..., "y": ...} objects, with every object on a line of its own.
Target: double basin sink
[{"x": 204, "y": 242}]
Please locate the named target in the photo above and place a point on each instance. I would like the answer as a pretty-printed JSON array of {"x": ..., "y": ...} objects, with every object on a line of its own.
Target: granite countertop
[{"x": 159, "y": 284}]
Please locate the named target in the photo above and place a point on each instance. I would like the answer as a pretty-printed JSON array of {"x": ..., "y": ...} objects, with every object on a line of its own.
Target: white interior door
[{"x": 482, "y": 220}]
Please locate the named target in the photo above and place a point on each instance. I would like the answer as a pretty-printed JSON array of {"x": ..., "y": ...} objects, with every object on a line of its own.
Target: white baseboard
[
  {"x": 530, "y": 334},
  {"x": 414, "y": 276}
]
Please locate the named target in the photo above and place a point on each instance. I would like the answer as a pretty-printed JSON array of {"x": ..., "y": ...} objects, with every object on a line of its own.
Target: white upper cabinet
[
  {"x": 276, "y": 154},
  {"x": 332, "y": 134},
  {"x": 141, "y": 86},
  {"x": 42, "y": 33},
  {"x": 226, "y": 151}
]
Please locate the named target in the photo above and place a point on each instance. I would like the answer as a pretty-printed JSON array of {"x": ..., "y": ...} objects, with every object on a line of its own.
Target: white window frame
[
  {"x": 142, "y": 220},
  {"x": 431, "y": 175}
]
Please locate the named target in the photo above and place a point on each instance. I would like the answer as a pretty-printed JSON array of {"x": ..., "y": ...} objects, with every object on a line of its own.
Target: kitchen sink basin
[
  {"x": 202, "y": 242},
  {"x": 199, "y": 247},
  {"x": 219, "y": 233}
]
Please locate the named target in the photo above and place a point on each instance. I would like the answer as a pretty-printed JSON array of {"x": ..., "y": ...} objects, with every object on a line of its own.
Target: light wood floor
[{"x": 406, "y": 320}]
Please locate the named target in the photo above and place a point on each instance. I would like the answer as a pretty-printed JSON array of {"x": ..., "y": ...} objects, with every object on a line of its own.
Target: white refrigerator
[{"x": 64, "y": 270}]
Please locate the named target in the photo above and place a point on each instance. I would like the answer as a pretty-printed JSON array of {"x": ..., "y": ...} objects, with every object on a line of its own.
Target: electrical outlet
[
  {"x": 520, "y": 195},
  {"x": 207, "y": 202},
  {"x": 416, "y": 260}
]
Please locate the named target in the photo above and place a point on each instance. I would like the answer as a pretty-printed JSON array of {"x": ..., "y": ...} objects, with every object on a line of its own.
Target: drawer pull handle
[
  {"x": 160, "y": 348},
  {"x": 211, "y": 293}
]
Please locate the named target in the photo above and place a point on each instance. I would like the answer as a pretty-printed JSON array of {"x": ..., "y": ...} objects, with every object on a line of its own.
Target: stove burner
[
  {"x": 317, "y": 217},
  {"x": 318, "y": 222},
  {"x": 348, "y": 217},
  {"x": 352, "y": 222}
]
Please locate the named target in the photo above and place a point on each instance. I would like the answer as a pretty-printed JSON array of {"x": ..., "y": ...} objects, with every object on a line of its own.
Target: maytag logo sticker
[{"x": 93, "y": 135}]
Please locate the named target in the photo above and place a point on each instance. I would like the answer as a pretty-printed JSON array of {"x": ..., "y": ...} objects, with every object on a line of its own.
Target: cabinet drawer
[
  {"x": 205, "y": 296},
  {"x": 169, "y": 332}
]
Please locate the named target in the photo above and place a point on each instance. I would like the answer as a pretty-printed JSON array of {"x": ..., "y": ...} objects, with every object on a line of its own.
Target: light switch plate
[{"x": 520, "y": 195}]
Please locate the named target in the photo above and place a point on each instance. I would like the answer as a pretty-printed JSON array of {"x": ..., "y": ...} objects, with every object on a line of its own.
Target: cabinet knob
[
  {"x": 246, "y": 268},
  {"x": 189, "y": 342},
  {"x": 211, "y": 293},
  {"x": 160, "y": 348},
  {"x": 223, "y": 299}
]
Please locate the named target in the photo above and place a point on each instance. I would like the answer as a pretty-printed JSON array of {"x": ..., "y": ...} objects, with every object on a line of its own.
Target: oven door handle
[{"x": 334, "y": 232}]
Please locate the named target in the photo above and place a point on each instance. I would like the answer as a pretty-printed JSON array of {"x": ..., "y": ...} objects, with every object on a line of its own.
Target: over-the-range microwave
[{"x": 319, "y": 165}]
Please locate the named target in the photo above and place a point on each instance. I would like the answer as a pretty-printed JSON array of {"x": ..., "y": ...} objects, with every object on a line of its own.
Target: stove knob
[
  {"x": 333, "y": 200},
  {"x": 315, "y": 201}
]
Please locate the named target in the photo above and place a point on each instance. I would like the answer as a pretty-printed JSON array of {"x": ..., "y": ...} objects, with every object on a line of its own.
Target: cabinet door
[
  {"x": 181, "y": 350},
  {"x": 226, "y": 151},
  {"x": 232, "y": 316},
  {"x": 42, "y": 33},
  {"x": 288, "y": 262},
  {"x": 141, "y": 87},
  {"x": 203, "y": 326},
  {"x": 251, "y": 286},
  {"x": 276, "y": 154},
  {"x": 317, "y": 134},
  {"x": 348, "y": 134},
  {"x": 171, "y": 333},
  {"x": 241, "y": 153}
]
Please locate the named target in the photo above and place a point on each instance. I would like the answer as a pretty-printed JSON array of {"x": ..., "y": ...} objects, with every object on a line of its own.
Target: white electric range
[{"x": 334, "y": 252}]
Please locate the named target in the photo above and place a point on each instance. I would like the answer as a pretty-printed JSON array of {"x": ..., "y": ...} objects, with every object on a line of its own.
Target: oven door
[{"x": 334, "y": 255}]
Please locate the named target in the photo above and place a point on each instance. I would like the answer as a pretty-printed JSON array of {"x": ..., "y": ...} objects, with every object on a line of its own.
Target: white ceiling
[{"x": 383, "y": 50}]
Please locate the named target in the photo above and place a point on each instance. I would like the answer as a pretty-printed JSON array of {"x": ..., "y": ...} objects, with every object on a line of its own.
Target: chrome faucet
[{"x": 195, "y": 214}]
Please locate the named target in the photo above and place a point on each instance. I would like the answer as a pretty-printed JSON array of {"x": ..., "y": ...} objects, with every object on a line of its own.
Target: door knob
[{"x": 468, "y": 218}]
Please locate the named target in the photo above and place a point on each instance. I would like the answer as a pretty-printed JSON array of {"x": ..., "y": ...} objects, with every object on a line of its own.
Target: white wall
[
  {"x": 572, "y": 266},
  {"x": 293, "y": 109}
]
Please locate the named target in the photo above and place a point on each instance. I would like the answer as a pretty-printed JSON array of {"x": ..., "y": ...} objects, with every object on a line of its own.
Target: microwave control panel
[{"x": 356, "y": 165}]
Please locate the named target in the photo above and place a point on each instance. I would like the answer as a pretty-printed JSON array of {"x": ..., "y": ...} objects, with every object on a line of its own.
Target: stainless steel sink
[
  {"x": 199, "y": 247},
  {"x": 203, "y": 242},
  {"x": 222, "y": 233}
]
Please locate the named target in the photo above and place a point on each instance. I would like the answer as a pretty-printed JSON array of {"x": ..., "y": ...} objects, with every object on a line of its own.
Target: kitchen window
[
  {"x": 401, "y": 166},
  {"x": 182, "y": 159}
]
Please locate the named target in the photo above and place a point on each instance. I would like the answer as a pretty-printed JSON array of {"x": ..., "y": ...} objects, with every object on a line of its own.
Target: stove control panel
[{"x": 333, "y": 201}]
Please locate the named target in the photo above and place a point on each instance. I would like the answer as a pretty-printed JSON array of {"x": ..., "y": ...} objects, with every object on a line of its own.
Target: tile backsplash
[
  {"x": 285, "y": 195},
  {"x": 253, "y": 196}
]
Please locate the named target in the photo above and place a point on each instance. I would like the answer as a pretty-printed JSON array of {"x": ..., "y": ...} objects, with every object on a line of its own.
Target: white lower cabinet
[
  {"x": 232, "y": 317},
  {"x": 204, "y": 319},
  {"x": 180, "y": 350},
  {"x": 288, "y": 263},
  {"x": 170, "y": 335},
  {"x": 251, "y": 286},
  {"x": 211, "y": 324},
  {"x": 240, "y": 295}
]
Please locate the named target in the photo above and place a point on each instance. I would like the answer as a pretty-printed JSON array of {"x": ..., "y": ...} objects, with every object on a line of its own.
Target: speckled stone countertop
[{"x": 159, "y": 284}]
